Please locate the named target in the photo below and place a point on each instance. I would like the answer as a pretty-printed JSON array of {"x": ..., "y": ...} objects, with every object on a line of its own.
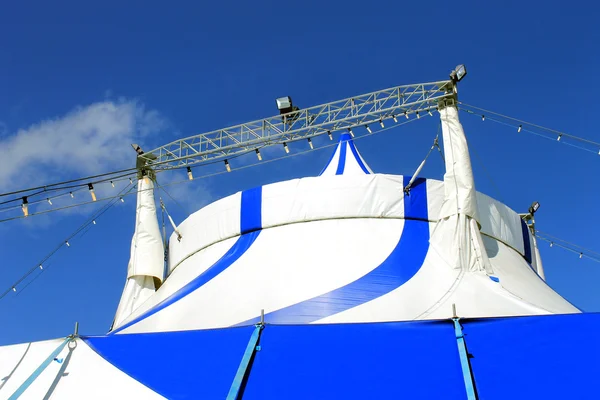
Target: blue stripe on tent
[
  {"x": 342, "y": 160},
  {"x": 526, "y": 241},
  {"x": 357, "y": 157},
  {"x": 401, "y": 265},
  {"x": 178, "y": 365},
  {"x": 251, "y": 205},
  {"x": 251, "y": 210}
]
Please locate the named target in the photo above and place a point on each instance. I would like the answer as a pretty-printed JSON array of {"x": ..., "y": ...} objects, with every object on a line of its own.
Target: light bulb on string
[
  {"x": 330, "y": 135},
  {"x": 368, "y": 129},
  {"x": 286, "y": 148},
  {"x": 520, "y": 127},
  {"x": 92, "y": 192},
  {"x": 258, "y": 155},
  {"x": 310, "y": 144},
  {"x": 381, "y": 123},
  {"x": 189, "y": 174},
  {"x": 227, "y": 166},
  {"x": 25, "y": 206}
]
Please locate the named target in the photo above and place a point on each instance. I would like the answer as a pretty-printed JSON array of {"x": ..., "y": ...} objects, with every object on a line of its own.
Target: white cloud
[{"x": 88, "y": 140}]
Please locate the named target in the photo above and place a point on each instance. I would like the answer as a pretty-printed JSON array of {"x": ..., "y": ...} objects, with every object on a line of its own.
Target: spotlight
[
  {"x": 406, "y": 114},
  {"x": 351, "y": 133},
  {"x": 286, "y": 148},
  {"x": 394, "y": 118},
  {"x": 534, "y": 207},
  {"x": 25, "y": 206},
  {"x": 189, "y": 174},
  {"x": 258, "y": 155},
  {"x": 459, "y": 73},
  {"x": 368, "y": 129},
  {"x": 92, "y": 192},
  {"x": 49, "y": 201},
  {"x": 520, "y": 127},
  {"x": 329, "y": 134},
  {"x": 227, "y": 166},
  {"x": 381, "y": 123},
  {"x": 310, "y": 144},
  {"x": 418, "y": 116}
]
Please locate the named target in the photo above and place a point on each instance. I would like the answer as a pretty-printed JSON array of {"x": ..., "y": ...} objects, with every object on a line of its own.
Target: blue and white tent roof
[{"x": 346, "y": 160}]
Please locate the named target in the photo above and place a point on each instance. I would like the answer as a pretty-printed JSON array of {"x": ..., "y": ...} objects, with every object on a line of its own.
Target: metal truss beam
[{"x": 360, "y": 110}]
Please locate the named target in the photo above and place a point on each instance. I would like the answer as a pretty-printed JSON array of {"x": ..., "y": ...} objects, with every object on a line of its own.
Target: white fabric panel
[
  {"x": 331, "y": 168},
  {"x": 137, "y": 290},
  {"x": 147, "y": 251},
  {"x": 458, "y": 179},
  {"x": 284, "y": 266},
  {"x": 328, "y": 197},
  {"x": 539, "y": 267},
  {"x": 188, "y": 270},
  {"x": 215, "y": 222},
  {"x": 364, "y": 162},
  {"x": 82, "y": 375},
  {"x": 500, "y": 222}
]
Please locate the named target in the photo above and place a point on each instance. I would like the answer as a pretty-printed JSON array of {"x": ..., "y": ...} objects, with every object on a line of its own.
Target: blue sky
[{"x": 82, "y": 81}]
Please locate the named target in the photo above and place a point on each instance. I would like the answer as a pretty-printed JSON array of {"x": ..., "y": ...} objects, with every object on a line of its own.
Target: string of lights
[
  {"x": 572, "y": 247},
  {"x": 519, "y": 125},
  {"x": 189, "y": 172},
  {"x": 22, "y": 283}
]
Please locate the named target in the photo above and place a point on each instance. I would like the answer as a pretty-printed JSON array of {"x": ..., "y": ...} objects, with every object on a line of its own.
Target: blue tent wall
[
  {"x": 553, "y": 356},
  {"x": 541, "y": 357}
]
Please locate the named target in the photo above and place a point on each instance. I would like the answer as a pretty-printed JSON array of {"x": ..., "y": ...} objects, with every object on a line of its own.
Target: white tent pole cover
[{"x": 146, "y": 267}]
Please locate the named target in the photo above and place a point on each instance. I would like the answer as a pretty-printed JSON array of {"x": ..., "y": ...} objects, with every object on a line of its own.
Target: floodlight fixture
[
  {"x": 92, "y": 192},
  {"x": 459, "y": 73},
  {"x": 534, "y": 207}
]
